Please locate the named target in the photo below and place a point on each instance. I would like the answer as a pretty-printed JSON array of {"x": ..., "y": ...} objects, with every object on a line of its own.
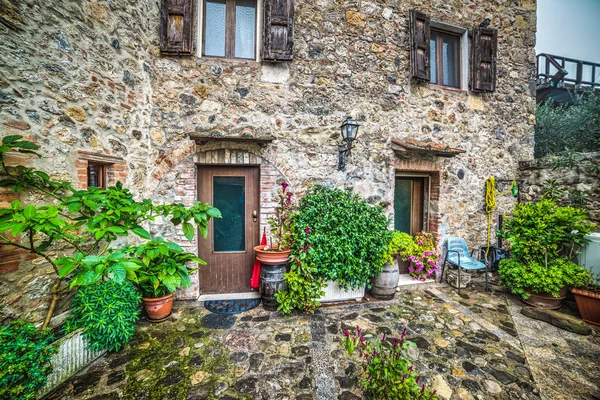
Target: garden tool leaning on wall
[{"x": 490, "y": 205}]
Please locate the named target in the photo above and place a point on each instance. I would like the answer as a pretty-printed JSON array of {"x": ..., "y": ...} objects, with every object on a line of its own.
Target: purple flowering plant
[{"x": 388, "y": 373}]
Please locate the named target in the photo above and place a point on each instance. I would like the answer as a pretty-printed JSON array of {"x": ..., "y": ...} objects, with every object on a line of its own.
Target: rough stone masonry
[{"x": 86, "y": 80}]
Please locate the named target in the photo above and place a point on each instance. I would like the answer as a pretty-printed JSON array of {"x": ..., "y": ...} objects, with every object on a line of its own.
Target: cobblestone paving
[{"x": 476, "y": 346}]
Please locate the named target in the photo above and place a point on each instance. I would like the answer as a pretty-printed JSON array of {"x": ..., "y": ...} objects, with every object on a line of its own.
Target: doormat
[{"x": 228, "y": 307}]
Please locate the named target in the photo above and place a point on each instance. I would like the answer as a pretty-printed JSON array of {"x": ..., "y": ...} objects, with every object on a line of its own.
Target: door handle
[{"x": 254, "y": 216}]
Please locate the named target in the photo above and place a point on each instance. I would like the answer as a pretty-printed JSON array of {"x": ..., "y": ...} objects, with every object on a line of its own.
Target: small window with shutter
[
  {"x": 439, "y": 52},
  {"x": 229, "y": 28}
]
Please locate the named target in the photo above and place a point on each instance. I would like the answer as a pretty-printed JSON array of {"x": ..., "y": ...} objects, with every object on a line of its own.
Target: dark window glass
[
  {"x": 96, "y": 174},
  {"x": 229, "y": 196},
  {"x": 445, "y": 59},
  {"x": 403, "y": 205}
]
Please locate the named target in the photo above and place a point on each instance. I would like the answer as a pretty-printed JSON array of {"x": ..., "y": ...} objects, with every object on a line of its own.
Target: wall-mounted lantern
[{"x": 349, "y": 133}]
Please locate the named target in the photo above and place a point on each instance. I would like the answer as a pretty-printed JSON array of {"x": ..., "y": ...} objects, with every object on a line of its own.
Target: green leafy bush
[
  {"x": 107, "y": 311},
  {"x": 538, "y": 231},
  {"x": 24, "y": 360},
  {"x": 304, "y": 287},
  {"x": 560, "y": 127},
  {"x": 519, "y": 276},
  {"x": 348, "y": 236},
  {"x": 388, "y": 373},
  {"x": 162, "y": 267}
]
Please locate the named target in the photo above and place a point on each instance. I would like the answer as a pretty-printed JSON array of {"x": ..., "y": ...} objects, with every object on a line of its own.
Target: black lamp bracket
[{"x": 344, "y": 149}]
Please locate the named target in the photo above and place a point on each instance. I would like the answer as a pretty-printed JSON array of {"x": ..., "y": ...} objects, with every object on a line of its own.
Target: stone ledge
[{"x": 558, "y": 319}]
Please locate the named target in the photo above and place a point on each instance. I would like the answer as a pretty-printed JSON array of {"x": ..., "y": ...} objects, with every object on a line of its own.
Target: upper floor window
[
  {"x": 444, "y": 58},
  {"x": 229, "y": 28},
  {"x": 439, "y": 54},
  {"x": 236, "y": 29}
]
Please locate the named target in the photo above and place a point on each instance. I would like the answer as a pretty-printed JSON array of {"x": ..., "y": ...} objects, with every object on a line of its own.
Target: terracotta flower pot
[
  {"x": 272, "y": 257},
  {"x": 158, "y": 309},
  {"x": 589, "y": 305},
  {"x": 545, "y": 300}
]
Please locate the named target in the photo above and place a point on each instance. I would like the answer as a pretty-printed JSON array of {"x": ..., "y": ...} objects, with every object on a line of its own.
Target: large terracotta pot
[
  {"x": 158, "y": 309},
  {"x": 272, "y": 257},
  {"x": 545, "y": 300},
  {"x": 384, "y": 284},
  {"x": 589, "y": 305}
]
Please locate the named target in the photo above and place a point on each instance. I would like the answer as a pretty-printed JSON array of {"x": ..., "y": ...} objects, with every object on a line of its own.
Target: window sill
[
  {"x": 450, "y": 89},
  {"x": 250, "y": 61}
]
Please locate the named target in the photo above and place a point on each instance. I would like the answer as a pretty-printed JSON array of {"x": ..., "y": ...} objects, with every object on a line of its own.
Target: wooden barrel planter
[
  {"x": 545, "y": 300},
  {"x": 271, "y": 281},
  {"x": 384, "y": 284},
  {"x": 273, "y": 264}
]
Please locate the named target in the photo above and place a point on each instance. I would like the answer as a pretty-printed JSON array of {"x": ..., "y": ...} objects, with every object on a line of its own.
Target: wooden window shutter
[
  {"x": 278, "y": 34},
  {"x": 419, "y": 45},
  {"x": 177, "y": 27},
  {"x": 483, "y": 59}
]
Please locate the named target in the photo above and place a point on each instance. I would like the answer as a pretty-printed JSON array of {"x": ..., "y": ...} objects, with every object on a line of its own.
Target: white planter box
[
  {"x": 71, "y": 356},
  {"x": 333, "y": 293}
]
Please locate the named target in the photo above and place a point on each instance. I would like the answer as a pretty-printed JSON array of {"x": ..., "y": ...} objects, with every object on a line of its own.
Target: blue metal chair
[{"x": 457, "y": 254}]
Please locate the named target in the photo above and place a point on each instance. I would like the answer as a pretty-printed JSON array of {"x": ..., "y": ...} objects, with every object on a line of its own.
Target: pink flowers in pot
[{"x": 422, "y": 257}]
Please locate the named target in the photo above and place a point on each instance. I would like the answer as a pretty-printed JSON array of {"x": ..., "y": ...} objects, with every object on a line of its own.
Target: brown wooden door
[{"x": 229, "y": 247}]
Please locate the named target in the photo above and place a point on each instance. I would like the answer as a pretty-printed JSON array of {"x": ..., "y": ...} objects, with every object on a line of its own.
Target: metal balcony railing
[{"x": 568, "y": 73}]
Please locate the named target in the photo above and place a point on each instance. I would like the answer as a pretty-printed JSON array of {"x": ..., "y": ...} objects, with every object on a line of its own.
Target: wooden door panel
[{"x": 229, "y": 247}]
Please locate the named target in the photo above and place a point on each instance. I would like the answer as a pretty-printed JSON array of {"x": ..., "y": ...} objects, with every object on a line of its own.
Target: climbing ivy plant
[{"x": 88, "y": 221}]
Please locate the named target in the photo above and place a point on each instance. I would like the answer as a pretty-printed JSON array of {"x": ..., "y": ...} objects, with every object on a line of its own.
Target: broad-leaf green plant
[
  {"x": 25, "y": 355},
  {"x": 162, "y": 267},
  {"x": 107, "y": 311}
]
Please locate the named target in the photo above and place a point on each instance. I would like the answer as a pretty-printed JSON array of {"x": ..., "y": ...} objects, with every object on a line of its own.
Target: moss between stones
[{"x": 159, "y": 350}]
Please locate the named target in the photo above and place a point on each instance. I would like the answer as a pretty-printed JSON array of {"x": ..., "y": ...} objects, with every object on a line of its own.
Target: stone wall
[
  {"x": 537, "y": 172},
  {"x": 88, "y": 75}
]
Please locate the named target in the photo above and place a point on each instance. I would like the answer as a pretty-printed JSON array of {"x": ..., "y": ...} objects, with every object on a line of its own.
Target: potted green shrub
[
  {"x": 587, "y": 297},
  {"x": 162, "y": 270},
  {"x": 540, "y": 285},
  {"x": 544, "y": 237}
]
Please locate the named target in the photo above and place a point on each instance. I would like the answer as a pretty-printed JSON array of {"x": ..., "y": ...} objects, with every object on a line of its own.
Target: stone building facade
[{"x": 88, "y": 82}]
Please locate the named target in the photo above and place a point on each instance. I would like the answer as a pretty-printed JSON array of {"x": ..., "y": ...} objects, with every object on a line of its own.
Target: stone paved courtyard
[{"x": 477, "y": 346}]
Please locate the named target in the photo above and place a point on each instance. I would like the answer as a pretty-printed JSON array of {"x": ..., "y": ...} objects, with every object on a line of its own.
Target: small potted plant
[
  {"x": 162, "y": 271},
  {"x": 587, "y": 297},
  {"x": 277, "y": 252}
]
